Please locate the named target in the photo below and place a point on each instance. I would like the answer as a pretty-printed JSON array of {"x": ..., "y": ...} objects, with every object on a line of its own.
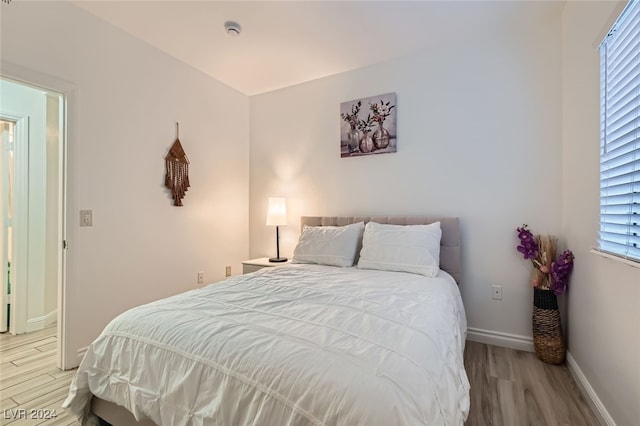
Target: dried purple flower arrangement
[{"x": 548, "y": 274}]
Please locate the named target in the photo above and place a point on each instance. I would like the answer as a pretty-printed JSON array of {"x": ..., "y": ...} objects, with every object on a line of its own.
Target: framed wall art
[{"x": 368, "y": 126}]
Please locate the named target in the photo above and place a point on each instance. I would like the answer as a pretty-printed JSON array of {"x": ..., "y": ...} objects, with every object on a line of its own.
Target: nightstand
[{"x": 253, "y": 265}]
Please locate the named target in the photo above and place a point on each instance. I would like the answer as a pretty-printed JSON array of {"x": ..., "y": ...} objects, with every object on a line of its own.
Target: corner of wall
[{"x": 589, "y": 393}]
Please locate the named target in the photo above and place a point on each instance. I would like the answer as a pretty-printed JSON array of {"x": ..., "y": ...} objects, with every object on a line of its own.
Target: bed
[{"x": 302, "y": 344}]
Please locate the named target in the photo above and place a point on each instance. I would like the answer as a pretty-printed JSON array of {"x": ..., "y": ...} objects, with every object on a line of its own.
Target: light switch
[{"x": 86, "y": 217}]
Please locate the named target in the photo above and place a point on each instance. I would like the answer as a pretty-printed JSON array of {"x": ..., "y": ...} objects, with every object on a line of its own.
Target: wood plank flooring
[
  {"x": 30, "y": 380},
  {"x": 508, "y": 387}
]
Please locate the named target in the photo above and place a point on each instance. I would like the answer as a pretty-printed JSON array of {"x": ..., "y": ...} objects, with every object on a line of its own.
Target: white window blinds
[{"x": 620, "y": 136}]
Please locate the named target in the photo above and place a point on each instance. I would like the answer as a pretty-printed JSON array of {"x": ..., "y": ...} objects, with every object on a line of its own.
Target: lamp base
[{"x": 277, "y": 259}]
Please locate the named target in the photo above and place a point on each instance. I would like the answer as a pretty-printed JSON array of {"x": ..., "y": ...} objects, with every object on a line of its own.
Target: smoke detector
[{"x": 232, "y": 28}]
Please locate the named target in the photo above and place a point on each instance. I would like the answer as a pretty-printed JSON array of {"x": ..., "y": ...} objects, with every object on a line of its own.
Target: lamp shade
[{"x": 277, "y": 212}]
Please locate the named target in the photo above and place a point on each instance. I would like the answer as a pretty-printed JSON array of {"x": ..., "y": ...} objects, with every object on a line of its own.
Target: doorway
[{"x": 31, "y": 204}]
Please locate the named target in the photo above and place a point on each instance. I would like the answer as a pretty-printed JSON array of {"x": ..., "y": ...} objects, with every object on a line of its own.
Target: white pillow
[
  {"x": 403, "y": 248},
  {"x": 329, "y": 245}
]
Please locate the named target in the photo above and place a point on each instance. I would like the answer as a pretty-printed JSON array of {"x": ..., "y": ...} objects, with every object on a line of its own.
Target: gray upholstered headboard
[{"x": 450, "y": 249}]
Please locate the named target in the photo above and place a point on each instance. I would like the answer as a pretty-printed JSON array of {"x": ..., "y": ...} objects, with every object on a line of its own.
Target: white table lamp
[{"x": 277, "y": 216}]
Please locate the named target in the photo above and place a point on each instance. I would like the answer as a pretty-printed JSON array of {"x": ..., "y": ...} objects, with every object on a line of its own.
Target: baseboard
[
  {"x": 51, "y": 318},
  {"x": 81, "y": 353},
  {"x": 39, "y": 323},
  {"x": 513, "y": 341},
  {"x": 589, "y": 393}
]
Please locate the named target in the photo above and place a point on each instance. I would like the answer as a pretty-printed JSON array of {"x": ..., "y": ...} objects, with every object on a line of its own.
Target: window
[{"x": 620, "y": 137}]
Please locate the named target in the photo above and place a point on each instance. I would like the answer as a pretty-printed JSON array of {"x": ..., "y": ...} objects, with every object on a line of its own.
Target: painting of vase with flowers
[{"x": 368, "y": 126}]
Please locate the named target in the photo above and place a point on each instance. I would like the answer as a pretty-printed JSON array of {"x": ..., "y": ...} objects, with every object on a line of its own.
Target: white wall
[
  {"x": 28, "y": 102},
  {"x": 604, "y": 298},
  {"x": 479, "y": 137},
  {"x": 126, "y": 99}
]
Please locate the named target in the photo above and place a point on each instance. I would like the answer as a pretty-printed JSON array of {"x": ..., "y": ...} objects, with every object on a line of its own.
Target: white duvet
[{"x": 293, "y": 345}]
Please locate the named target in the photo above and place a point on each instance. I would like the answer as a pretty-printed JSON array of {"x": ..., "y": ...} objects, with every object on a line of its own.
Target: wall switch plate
[
  {"x": 86, "y": 217},
  {"x": 227, "y": 271},
  {"x": 496, "y": 292},
  {"x": 200, "y": 277}
]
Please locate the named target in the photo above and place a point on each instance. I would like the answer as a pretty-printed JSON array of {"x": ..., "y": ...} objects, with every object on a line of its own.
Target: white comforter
[{"x": 293, "y": 345}]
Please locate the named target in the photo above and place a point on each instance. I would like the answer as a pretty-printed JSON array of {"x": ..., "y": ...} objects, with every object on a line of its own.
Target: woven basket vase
[{"x": 547, "y": 330}]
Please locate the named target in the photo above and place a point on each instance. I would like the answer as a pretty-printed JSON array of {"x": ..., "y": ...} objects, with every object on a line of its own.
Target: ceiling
[{"x": 290, "y": 42}]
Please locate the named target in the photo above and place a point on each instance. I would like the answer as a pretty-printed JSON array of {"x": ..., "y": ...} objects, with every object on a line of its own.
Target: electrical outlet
[
  {"x": 496, "y": 292},
  {"x": 86, "y": 217},
  {"x": 200, "y": 277},
  {"x": 227, "y": 271}
]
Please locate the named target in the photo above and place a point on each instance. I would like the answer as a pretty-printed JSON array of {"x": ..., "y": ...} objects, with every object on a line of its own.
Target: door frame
[
  {"x": 65, "y": 359},
  {"x": 4, "y": 259},
  {"x": 20, "y": 231}
]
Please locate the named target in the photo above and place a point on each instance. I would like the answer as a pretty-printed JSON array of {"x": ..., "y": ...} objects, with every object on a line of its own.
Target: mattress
[{"x": 293, "y": 345}]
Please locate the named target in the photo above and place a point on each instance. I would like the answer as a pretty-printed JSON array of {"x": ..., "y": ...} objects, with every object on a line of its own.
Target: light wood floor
[
  {"x": 30, "y": 380},
  {"x": 508, "y": 387}
]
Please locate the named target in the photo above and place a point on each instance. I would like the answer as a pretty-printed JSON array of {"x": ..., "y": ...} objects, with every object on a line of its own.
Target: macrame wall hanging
[{"x": 177, "y": 164}]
